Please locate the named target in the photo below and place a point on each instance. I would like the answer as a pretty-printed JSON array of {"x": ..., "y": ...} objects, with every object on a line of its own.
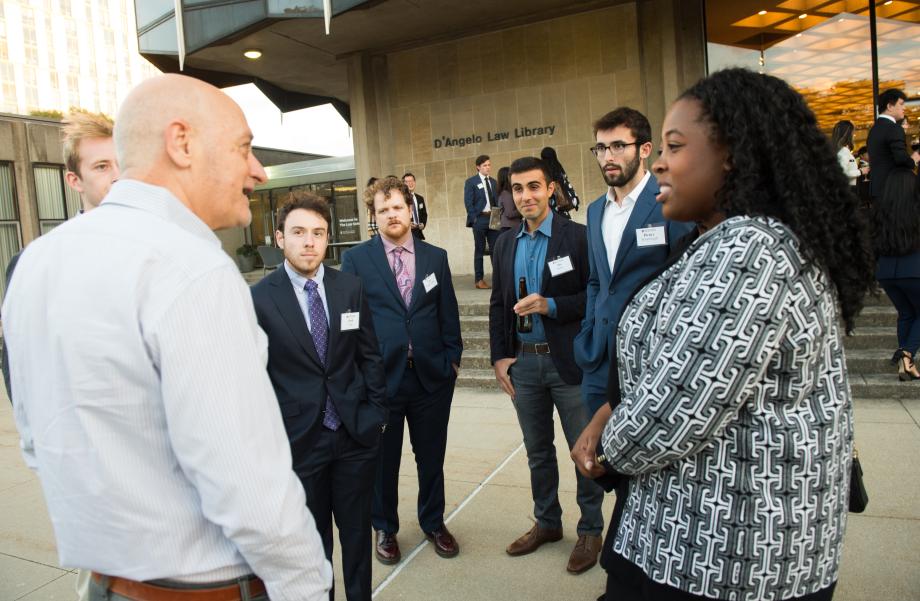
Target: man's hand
[
  {"x": 585, "y": 449},
  {"x": 501, "y": 374},
  {"x": 532, "y": 303}
]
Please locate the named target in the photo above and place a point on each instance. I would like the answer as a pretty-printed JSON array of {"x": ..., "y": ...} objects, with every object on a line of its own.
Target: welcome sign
[{"x": 494, "y": 136}]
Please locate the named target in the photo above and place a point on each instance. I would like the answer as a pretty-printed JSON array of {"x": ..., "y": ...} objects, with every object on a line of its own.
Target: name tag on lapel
[
  {"x": 652, "y": 235},
  {"x": 560, "y": 266},
  {"x": 480, "y": 186},
  {"x": 430, "y": 282},
  {"x": 350, "y": 321}
]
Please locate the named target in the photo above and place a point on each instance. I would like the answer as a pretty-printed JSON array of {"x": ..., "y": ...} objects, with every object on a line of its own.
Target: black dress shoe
[
  {"x": 387, "y": 548},
  {"x": 444, "y": 542}
]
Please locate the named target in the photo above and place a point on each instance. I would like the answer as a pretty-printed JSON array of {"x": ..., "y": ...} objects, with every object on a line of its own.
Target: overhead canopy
[{"x": 301, "y": 66}]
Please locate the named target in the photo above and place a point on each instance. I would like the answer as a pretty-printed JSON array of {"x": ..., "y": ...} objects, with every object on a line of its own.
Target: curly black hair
[
  {"x": 896, "y": 215},
  {"x": 782, "y": 166}
]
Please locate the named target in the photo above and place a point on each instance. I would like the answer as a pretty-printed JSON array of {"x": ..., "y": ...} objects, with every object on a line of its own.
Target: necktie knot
[
  {"x": 311, "y": 286},
  {"x": 398, "y": 251}
]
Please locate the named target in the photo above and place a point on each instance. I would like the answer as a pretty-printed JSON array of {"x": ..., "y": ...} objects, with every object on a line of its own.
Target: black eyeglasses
[{"x": 615, "y": 148}]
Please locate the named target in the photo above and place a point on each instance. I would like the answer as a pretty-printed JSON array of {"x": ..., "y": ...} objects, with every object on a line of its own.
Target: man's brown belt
[
  {"x": 538, "y": 348},
  {"x": 142, "y": 591}
]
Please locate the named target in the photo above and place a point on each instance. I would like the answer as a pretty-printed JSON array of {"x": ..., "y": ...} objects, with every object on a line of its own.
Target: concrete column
[{"x": 672, "y": 53}]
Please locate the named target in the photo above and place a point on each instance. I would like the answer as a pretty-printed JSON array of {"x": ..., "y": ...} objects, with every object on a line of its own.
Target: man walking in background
[{"x": 479, "y": 196}]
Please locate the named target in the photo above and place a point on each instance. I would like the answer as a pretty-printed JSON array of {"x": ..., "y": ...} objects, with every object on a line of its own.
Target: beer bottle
[{"x": 524, "y": 322}]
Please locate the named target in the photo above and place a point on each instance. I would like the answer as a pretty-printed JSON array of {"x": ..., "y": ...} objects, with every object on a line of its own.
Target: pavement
[{"x": 489, "y": 505}]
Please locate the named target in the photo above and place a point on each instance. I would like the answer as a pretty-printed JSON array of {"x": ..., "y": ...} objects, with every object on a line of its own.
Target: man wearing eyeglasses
[{"x": 628, "y": 240}]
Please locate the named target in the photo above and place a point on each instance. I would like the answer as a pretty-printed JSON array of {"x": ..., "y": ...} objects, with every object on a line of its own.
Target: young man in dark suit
[
  {"x": 479, "y": 196},
  {"x": 417, "y": 321},
  {"x": 325, "y": 366},
  {"x": 417, "y": 207},
  {"x": 535, "y": 365},
  {"x": 886, "y": 142}
]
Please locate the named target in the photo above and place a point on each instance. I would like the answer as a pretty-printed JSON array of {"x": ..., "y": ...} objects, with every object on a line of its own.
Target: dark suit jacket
[
  {"x": 432, "y": 322},
  {"x": 893, "y": 268},
  {"x": 568, "y": 289},
  {"x": 474, "y": 198},
  {"x": 422, "y": 215},
  {"x": 887, "y": 150},
  {"x": 609, "y": 290},
  {"x": 353, "y": 377}
]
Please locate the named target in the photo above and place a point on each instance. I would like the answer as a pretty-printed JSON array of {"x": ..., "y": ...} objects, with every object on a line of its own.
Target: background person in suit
[
  {"x": 327, "y": 373},
  {"x": 417, "y": 207},
  {"x": 897, "y": 246},
  {"x": 886, "y": 142},
  {"x": 551, "y": 254},
  {"x": 628, "y": 240},
  {"x": 511, "y": 218},
  {"x": 479, "y": 196},
  {"x": 417, "y": 321}
]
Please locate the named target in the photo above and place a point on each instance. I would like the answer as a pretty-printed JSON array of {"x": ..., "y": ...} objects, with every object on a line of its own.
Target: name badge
[
  {"x": 560, "y": 266},
  {"x": 650, "y": 236},
  {"x": 350, "y": 321},
  {"x": 480, "y": 186},
  {"x": 430, "y": 282}
]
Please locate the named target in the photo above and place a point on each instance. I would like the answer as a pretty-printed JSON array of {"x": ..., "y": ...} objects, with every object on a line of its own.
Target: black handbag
[{"x": 859, "y": 498}]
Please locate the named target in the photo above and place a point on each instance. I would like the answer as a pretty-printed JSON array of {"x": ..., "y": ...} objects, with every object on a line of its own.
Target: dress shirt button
[{"x": 605, "y": 321}]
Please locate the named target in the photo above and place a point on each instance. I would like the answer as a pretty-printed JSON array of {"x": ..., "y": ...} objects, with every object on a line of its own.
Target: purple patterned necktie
[
  {"x": 319, "y": 329},
  {"x": 403, "y": 282}
]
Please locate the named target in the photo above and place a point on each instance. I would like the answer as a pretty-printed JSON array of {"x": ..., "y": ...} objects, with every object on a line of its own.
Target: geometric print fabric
[{"x": 736, "y": 420}]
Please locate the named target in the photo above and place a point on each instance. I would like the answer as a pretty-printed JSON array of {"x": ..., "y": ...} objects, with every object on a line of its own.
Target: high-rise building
[{"x": 55, "y": 54}]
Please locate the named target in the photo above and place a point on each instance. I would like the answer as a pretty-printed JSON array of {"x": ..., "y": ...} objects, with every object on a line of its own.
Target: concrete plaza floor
[{"x": 489, "y": 505}]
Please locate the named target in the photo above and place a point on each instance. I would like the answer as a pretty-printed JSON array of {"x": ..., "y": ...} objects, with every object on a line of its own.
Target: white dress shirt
[
  {"x": 143, "y": 402},
  {"x": 613, "y": 223},
  {"x": 299, "y": 282},
  {"x": 485, "y": 189}
]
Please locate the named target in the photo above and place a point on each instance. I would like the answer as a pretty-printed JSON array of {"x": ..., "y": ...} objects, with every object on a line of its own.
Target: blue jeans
[
  {"x": 905, "y": 295},
  {"x": 538, "y": 388}
]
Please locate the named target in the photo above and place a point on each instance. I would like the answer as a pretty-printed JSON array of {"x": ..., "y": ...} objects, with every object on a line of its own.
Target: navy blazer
[
  {"x": 608, "y": 292},
  {"x": 353, "y": 376},
  {"x": 568, "y": 239},
  {"x": 474, "y": 198},
  {"x": 887, "y": 150},
  {"x": 432, "y": 321},
  {"x": 894, "y": 268}
]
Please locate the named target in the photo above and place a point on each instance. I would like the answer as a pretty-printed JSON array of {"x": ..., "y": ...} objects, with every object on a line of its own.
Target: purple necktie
[
  {"x": 403, "y": 282},
  {"x": 319, "y": 329}
]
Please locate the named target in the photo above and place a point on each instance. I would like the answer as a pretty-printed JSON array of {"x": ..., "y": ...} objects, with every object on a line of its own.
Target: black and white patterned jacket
[{"x": 735, "y": 420}]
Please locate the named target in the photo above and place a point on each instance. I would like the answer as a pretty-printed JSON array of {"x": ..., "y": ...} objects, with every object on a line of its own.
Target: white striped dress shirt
[{"x": 143, "y": 401}]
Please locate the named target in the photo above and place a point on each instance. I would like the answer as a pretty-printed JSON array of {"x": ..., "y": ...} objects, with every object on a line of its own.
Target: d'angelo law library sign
[{"x": 493, "y": 136}]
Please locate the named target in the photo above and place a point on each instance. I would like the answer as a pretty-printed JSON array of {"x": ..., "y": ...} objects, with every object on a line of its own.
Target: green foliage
[{"x": 47, "y": 114}]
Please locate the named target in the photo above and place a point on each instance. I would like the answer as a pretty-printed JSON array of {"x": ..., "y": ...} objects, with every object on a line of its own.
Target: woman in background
[
  {"x": 732, "y": 418},
  {"x": 842, "y": 140},
  {"x": 897, "y": 246},
  {"x": 511, "y": 218},
  {"x": 564, "y": 199}
]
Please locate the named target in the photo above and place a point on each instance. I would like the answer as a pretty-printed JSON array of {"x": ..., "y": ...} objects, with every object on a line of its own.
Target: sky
[{"x": 318, "y": 130}]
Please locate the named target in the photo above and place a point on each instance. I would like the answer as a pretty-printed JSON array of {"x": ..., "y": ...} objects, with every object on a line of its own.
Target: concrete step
[
  {"x": 881, "y": 387},
  {"x": 479, "y": 309},
  {"x": 873, "y": 337},
  {"x": 877, "y": 316},
  {"x": 475, "y": 341},
  {"x": 474, "y": 323},
  {"x": 870, "y": 361},
  {"x": 480, "y": 379}
]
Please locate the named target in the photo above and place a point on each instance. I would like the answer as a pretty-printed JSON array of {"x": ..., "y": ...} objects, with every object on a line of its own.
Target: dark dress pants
[
  {"x": 427, "y": 414},
  {"x": 905, "y": 295},
  {"x": 481, "y": 233},
  {"x": 337, "y": 473}
]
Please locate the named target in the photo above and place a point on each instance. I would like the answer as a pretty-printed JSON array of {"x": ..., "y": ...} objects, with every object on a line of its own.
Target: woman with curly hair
[
  {"x": 897, "y": 245},
  {"x": 732, "y": 425}
]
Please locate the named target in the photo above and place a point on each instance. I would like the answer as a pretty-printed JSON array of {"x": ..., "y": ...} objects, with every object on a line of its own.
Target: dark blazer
[
  {"x": 353, "y": 377},
  {"x": 474, "y": 198},
  {"x": 894, "y": 268},
  {"x": 608, "y": 291},
  {"x": 568, "y": 290},
  {"x": 422, "y": 215},
  {"x": 432, "y": 321},
  {"x": 887, "y": 150}
]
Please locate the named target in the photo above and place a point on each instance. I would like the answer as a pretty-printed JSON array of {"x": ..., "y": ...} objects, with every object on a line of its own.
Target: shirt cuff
[{"x": 551, "y": 304}]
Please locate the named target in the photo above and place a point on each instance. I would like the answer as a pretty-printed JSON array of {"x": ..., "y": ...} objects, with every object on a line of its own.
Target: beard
[{"x": 626, "y": 173}]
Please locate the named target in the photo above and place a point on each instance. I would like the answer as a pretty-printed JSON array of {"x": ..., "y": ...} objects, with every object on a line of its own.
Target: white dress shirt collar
[
  {"x": 300, "y": 281},
  {"x": 630, "y": 198},
  {"x": 889, "y": 117}
]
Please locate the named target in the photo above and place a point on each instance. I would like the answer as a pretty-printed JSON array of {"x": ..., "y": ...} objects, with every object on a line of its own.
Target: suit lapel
[
  {"x": 379, "y": 259},
  {"x": 644, "y": 205},
  {"x": 553, "y": 247},
  {"x": 597, "y": 233},
  {"x": 421, "y": 272},
  {"x": 285, "y": 299},
  {"x": 335, "y": 300}
]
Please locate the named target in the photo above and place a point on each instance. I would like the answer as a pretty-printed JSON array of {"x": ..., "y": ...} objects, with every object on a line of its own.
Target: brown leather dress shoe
[
  {"x": 481, "y": 284},
  {"x": 584, "y": 555},
  {"x": 387, "y": 548},
  {"x": 531, "y": 541},
  {"x": 444, "y": 542}
]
